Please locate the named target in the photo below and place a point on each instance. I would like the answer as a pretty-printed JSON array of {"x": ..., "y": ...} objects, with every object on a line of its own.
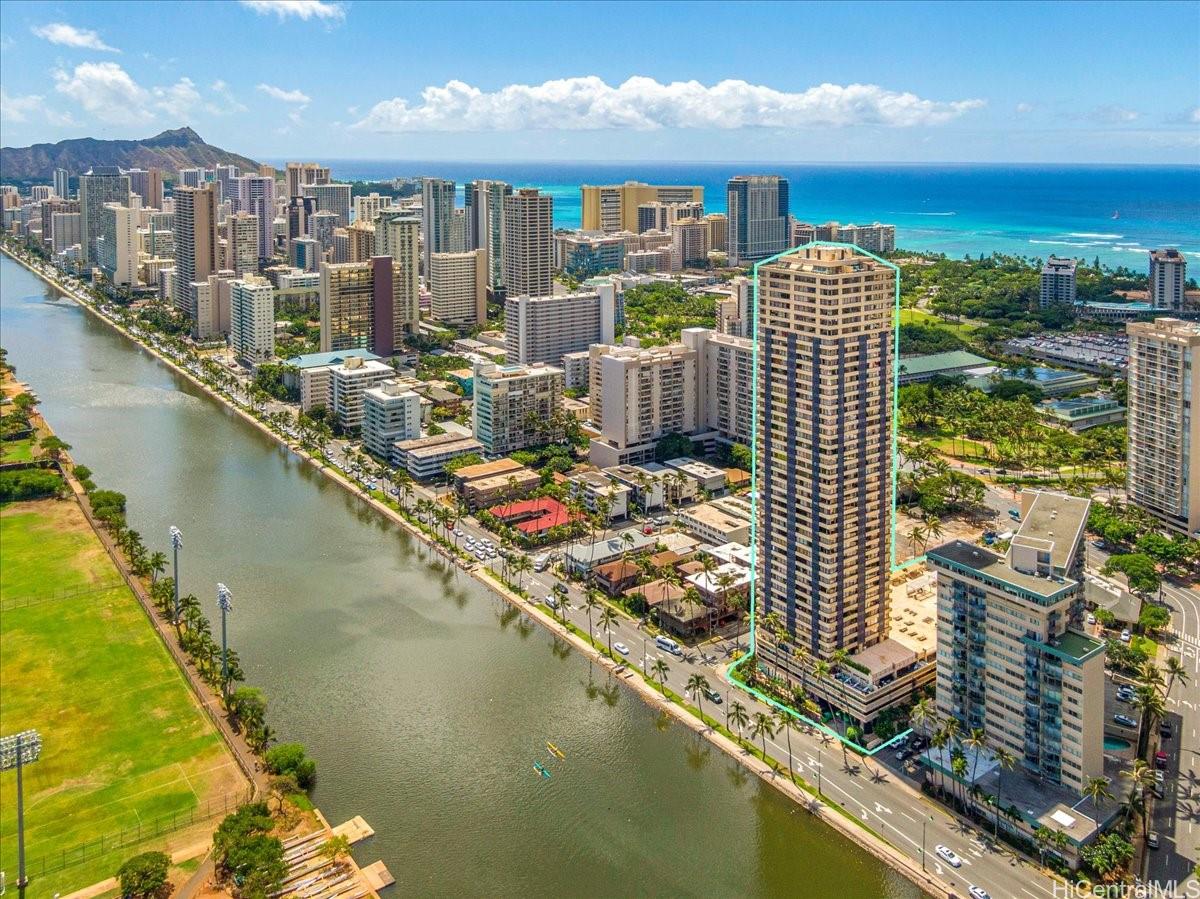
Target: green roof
[
  {"x": 935, "y": 362},
  {"x": 1073, "y": 647}
]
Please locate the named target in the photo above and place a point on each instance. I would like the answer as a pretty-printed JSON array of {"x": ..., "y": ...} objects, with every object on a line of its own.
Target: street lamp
[
  {"x": 15, "y": 752},
  {"x": 924, "y": 824},
  {"x": 225, "y": 604},
  {"x": 176, "y": 545}
]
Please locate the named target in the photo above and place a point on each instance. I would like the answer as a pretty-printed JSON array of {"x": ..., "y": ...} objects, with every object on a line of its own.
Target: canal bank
[{"x": 424, "y": 699}]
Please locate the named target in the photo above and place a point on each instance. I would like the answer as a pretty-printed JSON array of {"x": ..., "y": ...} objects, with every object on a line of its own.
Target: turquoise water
[
  {"x": 954, "y": 209},
  {"x": 1116, "y": 744}
]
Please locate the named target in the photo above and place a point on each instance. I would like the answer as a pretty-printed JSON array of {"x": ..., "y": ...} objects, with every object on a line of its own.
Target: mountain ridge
[{"x": 170, "y": 150}]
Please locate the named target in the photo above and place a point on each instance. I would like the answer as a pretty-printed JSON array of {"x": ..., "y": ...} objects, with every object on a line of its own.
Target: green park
[{"x": 128, "y": 758}]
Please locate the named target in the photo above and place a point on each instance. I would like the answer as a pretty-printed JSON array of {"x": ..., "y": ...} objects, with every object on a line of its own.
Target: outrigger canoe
[
  {"x": 541, "y": 769},
  {"x": 555, "y": 751}
]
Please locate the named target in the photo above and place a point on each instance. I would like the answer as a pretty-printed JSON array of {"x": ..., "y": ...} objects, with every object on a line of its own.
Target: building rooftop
[
  {"x": 1058, "y": 520},
  {"x": 487, "y": 469},
  {"x": 536, "y": 515},
  {"x": 706, "y": 514},
  {"x": 935, "y": 362},
  {"x": 994, "y": 568},
  {"x": 438, "y": 442},
  {"x": 317, "y": 360},
  {"x": 1073, "y": 646},
  {"x": 587, "y": 554},
  {"x": 696, "y": 468}
]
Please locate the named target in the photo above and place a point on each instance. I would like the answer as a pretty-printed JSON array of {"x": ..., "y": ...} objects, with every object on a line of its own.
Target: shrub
[
  {"x": 29, "y": 483},
  {"x": 145, "y": 876},
  {"x": 244, "y": 851},
  {"x": 289, "y": 758}
]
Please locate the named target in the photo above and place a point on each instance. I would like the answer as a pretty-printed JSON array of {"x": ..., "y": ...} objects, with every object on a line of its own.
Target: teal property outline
[{"x": 752, "y": 315}]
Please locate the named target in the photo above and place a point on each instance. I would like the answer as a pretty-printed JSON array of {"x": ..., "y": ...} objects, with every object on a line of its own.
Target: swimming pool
[{"x": 1116, "y": 744}]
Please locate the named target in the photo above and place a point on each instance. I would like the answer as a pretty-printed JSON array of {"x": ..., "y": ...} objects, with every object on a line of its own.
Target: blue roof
[{"x": 316, "y": 360}]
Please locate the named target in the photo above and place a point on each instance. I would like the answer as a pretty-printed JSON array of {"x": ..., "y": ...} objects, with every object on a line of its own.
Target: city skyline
[{"x": 911, "y": 86}]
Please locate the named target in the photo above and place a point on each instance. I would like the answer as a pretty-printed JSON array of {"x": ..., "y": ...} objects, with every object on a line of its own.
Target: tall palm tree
[
  {"x": 607, "y": 619},
  {"x": 521, "y": 565},
  {"x": 660, "y": 670},
  {"x": 590, "y": 604},
  {"x": 158, "y": 564},
  {"x": 821, "y": 671},
  {"x": 697, "y": 685},
  {"x": 736, "y": 714},
  {"x": 1141, "y": 778},
  {"x": 1006, "y": 761},
  {"x": 924, "y": 718},
  {"x": 763, "y": 726},
  {"x": 977, "y": 742},
  {"x": 1096, "y": 789},
  {"x": 1176, "y": 673},
  {"x": 784, "y": 722},
  {"x": 1153, "y": 709},
  {"x": 939, "y": 740}
]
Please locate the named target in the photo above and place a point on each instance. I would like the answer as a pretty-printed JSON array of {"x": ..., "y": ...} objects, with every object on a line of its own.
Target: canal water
[{"x": 424, "y": 698}]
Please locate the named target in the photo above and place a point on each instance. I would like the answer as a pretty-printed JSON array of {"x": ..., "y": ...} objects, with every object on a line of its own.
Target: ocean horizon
[{"x": 1115, "y": 212}]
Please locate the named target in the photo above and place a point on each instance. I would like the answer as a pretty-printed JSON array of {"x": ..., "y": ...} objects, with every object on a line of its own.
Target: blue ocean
[{"x": 1115, "y": 212}]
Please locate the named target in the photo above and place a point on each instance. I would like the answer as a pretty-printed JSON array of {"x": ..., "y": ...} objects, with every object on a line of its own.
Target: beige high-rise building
[
  {"x": 1163, "y": 472},
  {"x": 252, "y": 318},
  {"x": 724, "y": 383},
  {"x": 614, "y": 207},
  {"x": 366, "y": 209},
  {"x": 689, "y": 245},
  {"x": 458, "y": 287},
  {"x": 196, "y": 244},
  {"x": 528, "y": 243},
  {"x": 369, "y": 305},
  {"x": 515, "y": 405},
  {"x": 1011, "y": 653},
  {"x": 718, "y": 229},
  {"x": 1168, "y": 279},
  {"x": 241, "y": 243},
  {"x": 117, "y": 245},
  {"x": 298, "y": 174},
  {"x": 825, "y": 453},
  {"x": 637, "y": 396},
  {"x": 362, "y": 244}
]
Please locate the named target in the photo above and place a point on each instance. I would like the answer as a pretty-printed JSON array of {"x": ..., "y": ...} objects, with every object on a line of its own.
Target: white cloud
[
  {"x": 105, "y": 90},
  {"x": 70, "y": 36},
  {"x": 278, "y": 93},
  {"x": 1194, "y": 115},
  {"x": 18, "y": 109},
  {"x": 301, "y": 9},
  {"x": 1024, "y": 108},
  {"x": 587, "y": 103},
  {"x": 178, "y": 100},
  {"x": 229, "y": 103},
  {"x": 1112, "y": 114}
]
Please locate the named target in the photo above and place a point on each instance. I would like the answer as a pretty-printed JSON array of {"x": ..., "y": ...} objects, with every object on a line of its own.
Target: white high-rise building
[
  {"x": 117, "y": 246},
  {"x": 391, "y": 412},
  {"x": 1168, "y": 279},
  {"x": 1058, "y": 283},
  {"x": 437, "y": 212},
  {"x": 544, "y": 329},
  {"x": 515, "y": 405},
  {"x": 241, "y": 243},
  {"x": 252, "y": 318},
  {"x": 458, "y": 287},
  {"x": 485, "y": 228},
  {"x": 62, "y": 183},
  {"x": 256, "y": 196},
  {"x": 100, "y": 186},
  {"x": 367, "y": 208}
]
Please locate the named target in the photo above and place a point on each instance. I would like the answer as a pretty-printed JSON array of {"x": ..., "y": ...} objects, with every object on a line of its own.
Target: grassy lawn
[
  {"x": 123, "y": 741},
  {"x": 17, "y": 450},
  {"x": 921, "y": 317}
]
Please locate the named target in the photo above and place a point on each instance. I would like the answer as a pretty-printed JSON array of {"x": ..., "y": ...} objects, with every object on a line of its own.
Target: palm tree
[
  {"x": 939, "y": 741},
  {"x": 158, "y": 564},
  {"x": 607, "y": 618},
  {"x": 916, "y": 536},
  {"x": 958, "y": 764},
  {"x": 763, "y": 726},
  {"x": 1150, "y": 701},
  {"x": 736, "y": 714},
  {"x": 520, "y": 565},
  {"x": 1141, "y": 778},
  {"x": 1097, "y": 790},
  {"x": 933, "y": 527},
  {"x": 784, "y": 722},
  {"x": 590, "y": 604},
  {"x": 1176, "y": 673},
  {"x": 977, "y": 742},
  {"x": 1006, "y": 761},
  {"x": 660, "y": 669},
  {"x": 821, "y": 670},
  {"x": 697, "y": 686}
]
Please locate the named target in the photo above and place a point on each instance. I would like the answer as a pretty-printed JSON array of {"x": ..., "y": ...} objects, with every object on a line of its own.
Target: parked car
[
  {"x": 713, "y": 696},
  {"x": 621, "y": 648},
  {"x": 1014, "y": 514},
  {"x": 1099, "y": 544},
  {"x": 1164, "y": 730},
  {"x": 1152, "y": 839},
  {"x": 1126, "y": 636},
  {"x": 1160, "y": 760},
  {"x": 1091, "y": 619},
  {"x": 1160, "y": 790},
  {"x": 1124, "y": 721},
  {"x": 560, "y": 588},
  {"x": 948, "y": 855},
  {"x": 551, "y": 600},
  {"x": 978, "y": 892}
]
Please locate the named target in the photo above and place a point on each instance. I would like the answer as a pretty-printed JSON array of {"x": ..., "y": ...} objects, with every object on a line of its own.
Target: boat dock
[{"x": 312, "y": 875}]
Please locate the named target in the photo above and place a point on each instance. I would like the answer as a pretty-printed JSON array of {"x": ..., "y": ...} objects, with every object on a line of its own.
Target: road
[{"x": 1177, "y": 818}]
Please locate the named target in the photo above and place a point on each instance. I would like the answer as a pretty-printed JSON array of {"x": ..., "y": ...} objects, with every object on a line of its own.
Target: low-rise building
[
  {"x": 1084, "y": 412},
  {"x": 616, "y": 577},
  {"x": 310, "y": 374},
  {"x": 534, "y": 517},
  {"x": 708, "y": 478},
  {"x": 595, "y": 490},
  {"x": 391, "y": 413},
  {"x": 425, "y": 458},
  {"x": 917, "y": 369},
  {"x": 714, "y": 525},
  {"x": 581, "y": 558},
  {"x": 488, "y": 483}
]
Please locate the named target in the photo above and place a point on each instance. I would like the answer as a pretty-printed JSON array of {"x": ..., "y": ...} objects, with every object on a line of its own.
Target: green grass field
[
  {"x": 124, "y": 743},
  {"x": 17, "y": 450},
  {"x": 921, "y": 317}
]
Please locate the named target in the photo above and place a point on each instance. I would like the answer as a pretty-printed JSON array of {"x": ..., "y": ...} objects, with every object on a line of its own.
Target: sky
[{"x": 662, "y": 81}]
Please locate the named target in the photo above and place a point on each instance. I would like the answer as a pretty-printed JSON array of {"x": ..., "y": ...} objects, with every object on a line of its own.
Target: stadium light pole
[
  {"x": 16, "y": 752},
  {"x": 225, "y": 604},
  {"x": 176, "y": 545}
]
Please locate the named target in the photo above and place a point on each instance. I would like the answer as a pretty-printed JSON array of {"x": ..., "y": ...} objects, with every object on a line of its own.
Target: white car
[
  {"x": 621, "y": 648},
  {"x": 978, "y": 892},
  {"x": 949, "y": 856},
  {"x": 1125, "y": 636}
]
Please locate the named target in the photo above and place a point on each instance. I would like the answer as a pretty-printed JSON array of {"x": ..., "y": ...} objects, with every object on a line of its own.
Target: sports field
[{"x": 124, "y": 744}]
